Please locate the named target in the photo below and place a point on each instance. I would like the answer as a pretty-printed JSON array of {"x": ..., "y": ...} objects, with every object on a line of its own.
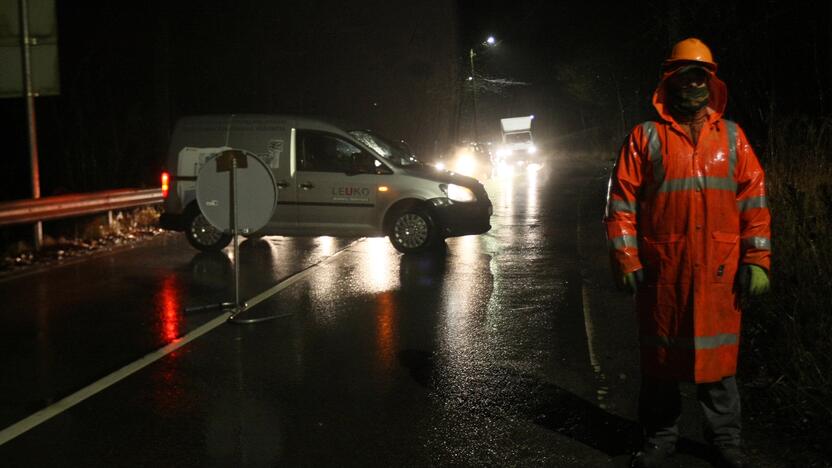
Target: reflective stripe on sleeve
[
  {"x": 686, "y": 342},
  {"x": 623, "y": 205},
  {"x": 751, "y": 203},
  {"x": 762, "y": 243},
  {"x": 622, "y": 242},
  {"x": 732, "y": 147},
  {"x": 654, "y": 151}
]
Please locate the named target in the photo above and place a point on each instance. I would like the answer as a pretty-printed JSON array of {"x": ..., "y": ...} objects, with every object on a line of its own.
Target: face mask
[{"x": 688, "y": 101}]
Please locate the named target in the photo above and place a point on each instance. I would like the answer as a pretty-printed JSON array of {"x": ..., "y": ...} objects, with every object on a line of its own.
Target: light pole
[
  {"x": 473, "y": 79},
  {"x": 474, "y": 90}
]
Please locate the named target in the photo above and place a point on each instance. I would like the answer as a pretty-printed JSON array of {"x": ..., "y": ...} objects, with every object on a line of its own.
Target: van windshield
[{"x": 393, "y": 152}]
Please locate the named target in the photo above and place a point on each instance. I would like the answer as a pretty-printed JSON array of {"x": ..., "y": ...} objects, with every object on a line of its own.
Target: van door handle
[
  {"x": 306, "y": 186},
  {"x": 282, "y": 184}
]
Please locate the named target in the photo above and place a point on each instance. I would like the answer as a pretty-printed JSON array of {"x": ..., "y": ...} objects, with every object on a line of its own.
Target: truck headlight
[{"x": 458, "y": 193}]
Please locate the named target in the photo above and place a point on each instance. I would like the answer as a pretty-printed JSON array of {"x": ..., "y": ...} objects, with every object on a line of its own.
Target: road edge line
[
  {"x": 264, "y": 295},
  {"x": 33, "y": 420},
  {"x": 43, "y": 415}
]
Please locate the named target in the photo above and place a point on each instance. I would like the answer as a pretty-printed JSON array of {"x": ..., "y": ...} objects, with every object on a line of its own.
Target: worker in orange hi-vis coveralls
[{"x": 689, "y": 229}]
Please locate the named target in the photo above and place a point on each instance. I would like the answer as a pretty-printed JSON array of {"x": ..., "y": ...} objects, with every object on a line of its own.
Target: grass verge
[{"x": 786, "y": 333}]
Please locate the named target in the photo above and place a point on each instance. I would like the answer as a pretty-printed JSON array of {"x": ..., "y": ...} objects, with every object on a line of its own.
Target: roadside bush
[
  {"x": 77, "y": 236},
  {"x": 788, "y": 331}
]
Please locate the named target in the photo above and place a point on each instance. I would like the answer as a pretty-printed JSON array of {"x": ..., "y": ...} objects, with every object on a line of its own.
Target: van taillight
[{"x": 165, "y": 184}]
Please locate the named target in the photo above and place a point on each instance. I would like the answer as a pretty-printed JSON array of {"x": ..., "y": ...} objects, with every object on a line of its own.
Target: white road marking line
[
  {"x": 34, "y": 420},
  {"x": 602, "y": 390},
  {"x": 55, "y": 409},
  {"x": 593, "y": 360},
  {"x": 293, "y": 279},
  {"x": 590, "y": 330}
]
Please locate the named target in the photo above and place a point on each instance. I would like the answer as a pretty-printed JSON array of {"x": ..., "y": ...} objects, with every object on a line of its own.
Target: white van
[{"x": 330, "y": 181}]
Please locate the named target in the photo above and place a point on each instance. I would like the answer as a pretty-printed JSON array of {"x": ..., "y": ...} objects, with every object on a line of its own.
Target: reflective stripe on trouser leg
[
  {"x": 659, "y": 408},
  {"x": 720, "y": 402}
]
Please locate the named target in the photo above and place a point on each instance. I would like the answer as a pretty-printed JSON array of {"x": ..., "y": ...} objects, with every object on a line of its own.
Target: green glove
[
  {"x": 753, "y": 280},
  {"x": 629, "y": 281}
]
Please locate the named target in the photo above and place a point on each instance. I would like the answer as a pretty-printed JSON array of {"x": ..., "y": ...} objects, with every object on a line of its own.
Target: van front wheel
[
  {"x": 413, "y": 231},
  {"x": 202, "y": 235}
]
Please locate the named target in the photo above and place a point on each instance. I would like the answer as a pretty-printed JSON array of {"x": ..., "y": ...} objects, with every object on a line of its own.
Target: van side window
[{"x": 319, "y": 152}]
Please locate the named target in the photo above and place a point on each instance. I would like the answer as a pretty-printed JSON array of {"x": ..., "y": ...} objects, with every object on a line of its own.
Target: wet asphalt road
[{"x": 505, "y": 349}]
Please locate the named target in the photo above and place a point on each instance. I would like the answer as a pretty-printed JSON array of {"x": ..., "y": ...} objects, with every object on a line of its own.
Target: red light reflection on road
[
  {"x": 386, "y": 329},
  {"x": 170, "y": 309}
]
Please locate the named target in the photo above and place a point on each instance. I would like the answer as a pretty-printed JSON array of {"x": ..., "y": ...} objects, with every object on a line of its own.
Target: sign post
[
  {"x": 29, "y": 95},
  {"x": 222, "y": 183},
  {"x": 29, "y": 53},
  {"x": 230, "y": 161}
]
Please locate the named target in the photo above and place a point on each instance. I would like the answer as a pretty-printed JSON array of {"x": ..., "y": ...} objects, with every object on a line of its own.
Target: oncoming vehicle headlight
[
  {"x": 458, "y": 193},
  {"x": 465, "y": 164},
  {"x": 532, "y": 149}
]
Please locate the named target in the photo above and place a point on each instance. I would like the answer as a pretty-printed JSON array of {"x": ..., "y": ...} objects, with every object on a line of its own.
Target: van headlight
[{"x": 458, "y": 193}]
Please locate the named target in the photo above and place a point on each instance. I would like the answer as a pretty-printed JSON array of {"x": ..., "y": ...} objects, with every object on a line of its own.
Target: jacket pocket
[
  {"x": 662, "y": 257},
  {"x": 724, "y": 258}
]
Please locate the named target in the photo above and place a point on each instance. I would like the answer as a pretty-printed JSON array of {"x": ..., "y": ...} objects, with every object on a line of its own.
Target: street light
[{"x": 489, "y": 42}]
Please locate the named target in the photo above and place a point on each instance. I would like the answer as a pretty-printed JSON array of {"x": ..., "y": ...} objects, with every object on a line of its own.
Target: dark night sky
[
  {"x": 774, "y": 55},
  {"x": 535, "y": 39},
  {"x": 539, "y": 33},
  {"x": 129, "y": 70}
]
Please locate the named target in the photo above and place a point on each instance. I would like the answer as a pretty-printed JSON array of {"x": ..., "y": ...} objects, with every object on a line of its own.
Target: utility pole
[
  {"x": 474, "y": 90},
  {"x": 26, "y": 42}
]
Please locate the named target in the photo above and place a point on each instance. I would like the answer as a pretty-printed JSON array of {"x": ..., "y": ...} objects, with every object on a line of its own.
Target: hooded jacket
[{"x": 688, "y": 214}]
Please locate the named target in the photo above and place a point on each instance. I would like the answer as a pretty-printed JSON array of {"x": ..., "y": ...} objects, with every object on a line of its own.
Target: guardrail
[{"x": 67, "y": 206}]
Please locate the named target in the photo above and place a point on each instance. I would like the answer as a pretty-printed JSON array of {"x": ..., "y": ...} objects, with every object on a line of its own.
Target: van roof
[{"x": 297, "y": 121}]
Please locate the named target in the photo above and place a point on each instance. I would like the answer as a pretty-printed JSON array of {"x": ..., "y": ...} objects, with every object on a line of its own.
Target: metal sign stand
[
  {"x": 230, "y": 161},
  {"x": 237, "y": 159}
]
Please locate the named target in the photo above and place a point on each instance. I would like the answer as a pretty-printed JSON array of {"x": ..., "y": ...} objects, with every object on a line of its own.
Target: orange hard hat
[{"x": 690, "y": 50}]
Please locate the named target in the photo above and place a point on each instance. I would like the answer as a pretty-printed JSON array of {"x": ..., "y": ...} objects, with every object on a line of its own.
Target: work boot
[
  {"x": 730, "y": 456},
  {"x": 652, "y": 455}
]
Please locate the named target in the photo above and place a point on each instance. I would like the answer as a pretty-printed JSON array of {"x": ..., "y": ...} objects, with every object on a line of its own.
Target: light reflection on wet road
[
  {"x": 68, "y": 326},
  {"x": 475, "y": 355}
]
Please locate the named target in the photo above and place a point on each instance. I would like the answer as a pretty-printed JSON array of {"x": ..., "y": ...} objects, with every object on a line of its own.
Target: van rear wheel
[
  {"x": 201, "y": 234},
  {"x": 413, "y": 230}
]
